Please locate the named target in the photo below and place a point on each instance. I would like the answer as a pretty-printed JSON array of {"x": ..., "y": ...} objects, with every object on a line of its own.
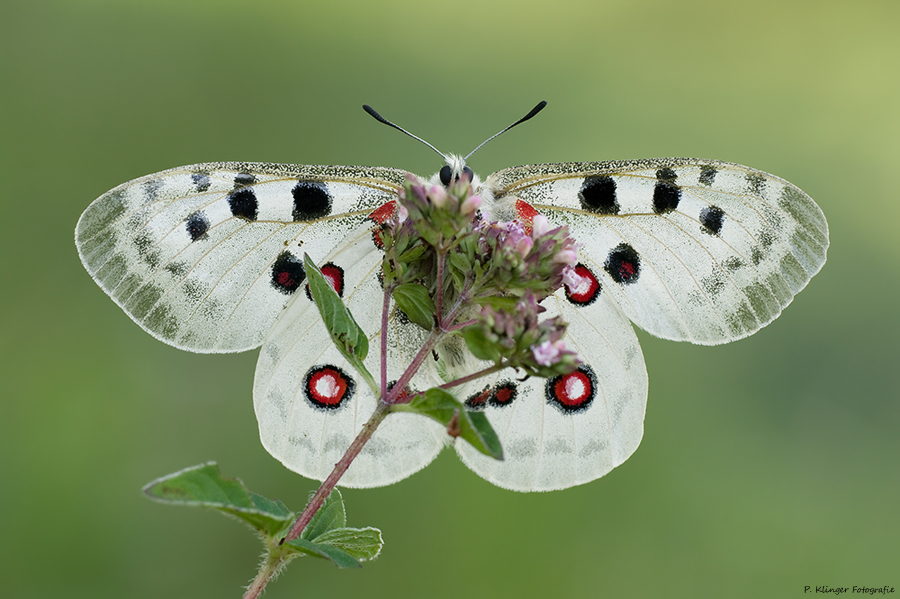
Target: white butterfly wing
[
  {"x": 311, "y": 404},
  {"x": 204, "y": 257},
  {"x": 694, "y": 250},
  {"x": 566, "y": 431}
]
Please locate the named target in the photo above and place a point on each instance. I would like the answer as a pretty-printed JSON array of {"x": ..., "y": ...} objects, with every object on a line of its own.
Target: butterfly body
[{"x": 208, "y": 258}]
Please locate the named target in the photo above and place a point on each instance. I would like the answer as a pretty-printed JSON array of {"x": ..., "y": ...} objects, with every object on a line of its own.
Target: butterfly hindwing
[
  {"x": 692, "y": 250},
  {"x": 311, "y": 403},
  {"x": 204, "y": 257},
  {"x": 568, "y": 430}
]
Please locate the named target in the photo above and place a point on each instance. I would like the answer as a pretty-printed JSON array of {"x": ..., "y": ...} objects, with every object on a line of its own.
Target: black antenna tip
[
  {"x": 540, "y": 106},
  {"x": 377, "y": 116}
]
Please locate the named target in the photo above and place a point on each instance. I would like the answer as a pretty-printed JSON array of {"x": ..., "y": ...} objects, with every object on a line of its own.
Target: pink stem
[{"x": 340, "y": 468}]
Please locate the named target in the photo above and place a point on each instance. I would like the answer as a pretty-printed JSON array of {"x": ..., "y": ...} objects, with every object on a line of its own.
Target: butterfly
[{"x": 209, "y": 258}]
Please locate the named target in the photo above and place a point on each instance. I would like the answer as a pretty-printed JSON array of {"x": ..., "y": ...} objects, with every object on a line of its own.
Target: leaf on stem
[
  {"x": 474, "y": 427},
  {"x": 203, "y": 486},
  {"x": 347, "y": 335},
  {"x": 416, "y": 303},
  {"x": 327, "y": 536}
]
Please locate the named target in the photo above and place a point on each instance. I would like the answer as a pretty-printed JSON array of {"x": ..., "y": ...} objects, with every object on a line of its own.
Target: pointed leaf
[
  {"x": 361, "y": 543},
  {"x": 204, "y": 486},
  {"x": 416, "y": 303},
  {"x": 331, "y": 515},
  {"x": 474, "y": 427},
  {"x": 479, "y": 345},
  {"x": 347, "y": 335},
  {"x": 338, "y": 556}
]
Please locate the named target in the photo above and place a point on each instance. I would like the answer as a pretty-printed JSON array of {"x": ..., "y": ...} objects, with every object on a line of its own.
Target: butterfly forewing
[
  {"x": 693, "y": 250},
  {"x": 204, "y": 257}
]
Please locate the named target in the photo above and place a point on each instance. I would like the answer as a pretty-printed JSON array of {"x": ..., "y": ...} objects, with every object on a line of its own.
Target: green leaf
[
  {"x": 330, "y": 516},
  {"x": 413, "y": 253},
  {"x": 416, "y": 303},
  {"x": 361, "y": 543},
  {"x": 347, "y": 335},
  {"x": 338, "y": 556},
  {"x": 204, "y": 486},
  {"x": 500, "y": 302},
  {"x": 460, "y": 261},
  {"x": 327, "y": 537},
  {"x": 479, "y": 345},
  {"x": 474, "y": 427}
]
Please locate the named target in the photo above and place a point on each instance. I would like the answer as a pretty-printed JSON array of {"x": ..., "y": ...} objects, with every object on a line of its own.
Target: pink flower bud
[
  {"x": 571, "y": 278},
  {"x": 470, "y": 205},
  {"x": 524, "y": 246},
  {"x": 547, "y": 353},
  {"x": 567, "y": 256},
  {"x": 539, "y": 225},
  {"x": 438, "y": 196}
]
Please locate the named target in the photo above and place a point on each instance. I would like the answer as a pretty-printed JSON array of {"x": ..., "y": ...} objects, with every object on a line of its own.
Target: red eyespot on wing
[
  {"x": 572, "y": 392},
  {"x": 585, "y": 292},
  {"x": 334, "y": 274},
  {"x": 328, "y": 387},
  {"x": 503, "y": 394}
]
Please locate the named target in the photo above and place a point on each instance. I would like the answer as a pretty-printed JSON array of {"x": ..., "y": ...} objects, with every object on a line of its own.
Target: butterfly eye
[
  {"x": 469, "y": 172},
  {"x": 445, "y": 175}
]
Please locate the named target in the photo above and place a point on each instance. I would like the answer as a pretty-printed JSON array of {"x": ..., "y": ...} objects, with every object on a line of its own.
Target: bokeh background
[{"x": 767, "y": 465}]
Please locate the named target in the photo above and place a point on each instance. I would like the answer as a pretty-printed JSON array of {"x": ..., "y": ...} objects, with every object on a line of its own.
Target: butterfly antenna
[
  {"x": 533, "y": 112},
  {"x": 381, "y": 119}
]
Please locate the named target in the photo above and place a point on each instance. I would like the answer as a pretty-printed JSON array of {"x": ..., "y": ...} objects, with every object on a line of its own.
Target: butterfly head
[{"x": 453, "y": 170}]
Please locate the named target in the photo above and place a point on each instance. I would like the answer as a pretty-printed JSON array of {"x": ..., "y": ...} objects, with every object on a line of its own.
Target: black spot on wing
[
  {"x": 287, "y": 273},
  {"x": 243, "y": 203},
  {"x": 756, "y": 183},
  {"x": 598, "y": 195},
  {"x": 666, "y": 194},
  {"x": 311, "y": 201},
  {"x": 708, "y": 175},
  {"x": 623, "y": 264},
  {"x": 733, "y": 263},
  {"x": 151, "y": 189},
  {"x": 197, "y": 225},
  {"x": 201, "y": 181},
  {"x": 712, "y": 218},
  {"x": 243, "y": 180},
  {"x": 178, "y": 268}
]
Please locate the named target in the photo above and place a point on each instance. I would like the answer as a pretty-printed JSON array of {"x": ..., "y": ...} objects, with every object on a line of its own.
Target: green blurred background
[{"x": 767, "y": 465}]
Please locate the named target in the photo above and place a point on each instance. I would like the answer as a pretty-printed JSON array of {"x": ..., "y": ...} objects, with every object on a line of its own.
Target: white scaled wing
[
  {"x": 566, "y": 431},
  {"x": 204, "y": 257},
  {"x": 691, "y": 250},
  {"x": 311, "y": 404}
]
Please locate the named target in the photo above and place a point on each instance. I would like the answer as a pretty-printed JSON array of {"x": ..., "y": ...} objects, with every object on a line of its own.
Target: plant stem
[
  {"x": 385, "y": 307},
  {"x": 340, "y": 468},
  {"x": 274, "y": 562},
  {"x": 475, "y": 375},
  {"x": 397, "y": 390},
  {"x": 439, "y": 289}
]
